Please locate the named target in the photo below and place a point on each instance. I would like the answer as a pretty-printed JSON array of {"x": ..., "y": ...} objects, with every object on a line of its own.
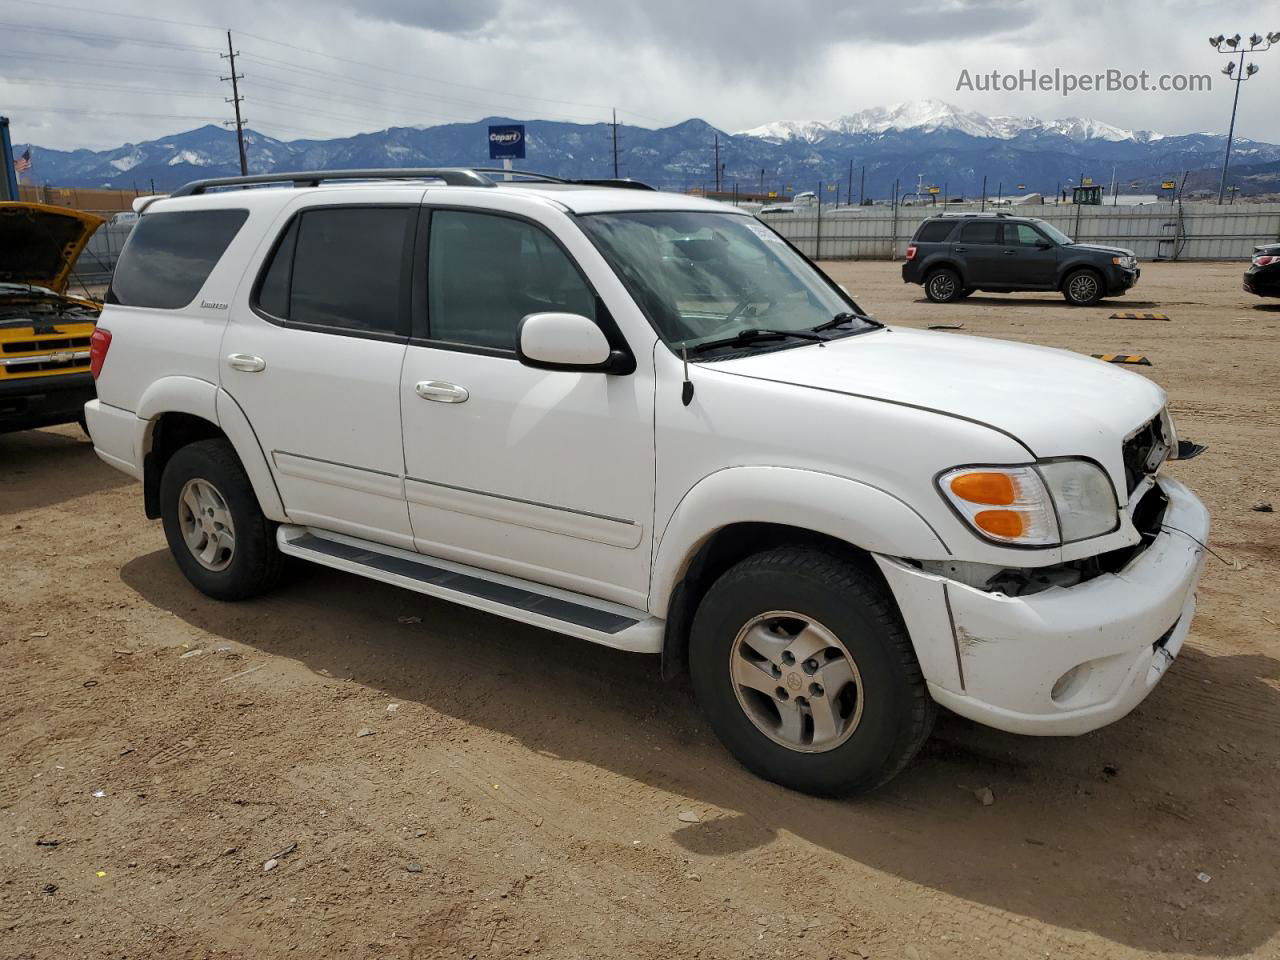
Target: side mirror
[
  {"x": 1043, "y": 245},
  {"x": 567, "y": 341}
]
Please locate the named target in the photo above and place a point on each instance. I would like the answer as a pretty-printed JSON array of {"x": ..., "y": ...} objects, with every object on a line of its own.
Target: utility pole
[
  {"x": 984, "y": 193},
  {"x": 615, "y": 143},
  {"x": 762, "y": 183},
  {"x": 862, "y": 187},
  {"x": 717, "y": 163},
  {"x": 236, "y": 99},
  {"x": 848, "y": 194}
]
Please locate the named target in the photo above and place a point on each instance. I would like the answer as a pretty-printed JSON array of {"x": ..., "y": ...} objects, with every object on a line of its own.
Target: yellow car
[{"x": 44, "y": 334}]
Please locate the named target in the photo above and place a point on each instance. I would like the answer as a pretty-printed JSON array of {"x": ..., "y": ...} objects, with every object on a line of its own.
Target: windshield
[
  {"x": 1054, "y": 234},
  {"x": 707, "y": 276}
]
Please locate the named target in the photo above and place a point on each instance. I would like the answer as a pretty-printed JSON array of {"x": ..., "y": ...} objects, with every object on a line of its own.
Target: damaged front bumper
[{"x": 1068, "y": 659}]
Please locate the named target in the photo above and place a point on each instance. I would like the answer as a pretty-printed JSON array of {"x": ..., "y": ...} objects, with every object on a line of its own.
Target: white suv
[{"x": 646, "y": 420}]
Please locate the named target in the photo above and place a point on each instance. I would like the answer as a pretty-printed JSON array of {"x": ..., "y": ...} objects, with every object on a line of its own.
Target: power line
[
  {"x": 123, "y": 88},
  {"x": 111, "y": 13},
  {"x": 273, "y": 64},
  {"x": 104, "y": 113},
  {"x": 300, "y": 49},
  {"x": 110, "y": 64},
  {"x": 99, "y": 37},
  {"x": 359, "y": 101}
]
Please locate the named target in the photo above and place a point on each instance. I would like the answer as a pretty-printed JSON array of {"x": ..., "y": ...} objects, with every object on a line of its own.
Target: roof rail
[
  {"x": 451, "y": 176},
  {"x": 976, "y": 213},
  {"x": 622, "y": 183}
]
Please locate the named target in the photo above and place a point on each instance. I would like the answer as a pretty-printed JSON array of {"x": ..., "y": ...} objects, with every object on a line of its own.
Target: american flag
[{"x": 23, "y": 163}]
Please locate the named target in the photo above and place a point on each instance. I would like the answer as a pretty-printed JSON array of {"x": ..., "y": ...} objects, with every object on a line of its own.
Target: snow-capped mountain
[
  {"x": 929, "y": 116},
  {"x": 950, "y": 147}
]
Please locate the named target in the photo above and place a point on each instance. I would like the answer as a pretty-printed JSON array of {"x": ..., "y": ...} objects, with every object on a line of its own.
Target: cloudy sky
[{"x": 97, "y": 73}]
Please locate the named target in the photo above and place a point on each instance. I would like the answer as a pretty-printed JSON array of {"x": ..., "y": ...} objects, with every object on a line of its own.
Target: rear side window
[
  {"x": 169, "y": 256},
  {"x": 487, "y": 272},
  {"x": 934, "y": 231},
  {"x": 342, "y": 268},
  {"x": 980, "y": 231}
]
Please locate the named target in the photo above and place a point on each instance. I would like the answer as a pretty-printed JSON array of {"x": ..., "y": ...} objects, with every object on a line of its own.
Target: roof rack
[
  {"x": 976, "y": 213},
  {"x": 450, "y": 176},
  {"x": 621, "y": 183}
]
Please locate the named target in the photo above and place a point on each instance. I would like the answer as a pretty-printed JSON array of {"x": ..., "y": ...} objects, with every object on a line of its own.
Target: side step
[{"x": 561, "y": 611}]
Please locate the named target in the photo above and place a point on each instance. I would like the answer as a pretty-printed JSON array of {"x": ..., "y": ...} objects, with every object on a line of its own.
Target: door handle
[
  {"x": 1010, "y": 253},
  {"x": 440, "y": 391},
  {"x": 962, "y": 249},
  {"x": 246, "y": 363}
]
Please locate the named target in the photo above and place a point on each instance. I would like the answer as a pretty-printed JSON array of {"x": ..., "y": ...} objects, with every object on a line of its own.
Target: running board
[{"x": 561, "y": 611}]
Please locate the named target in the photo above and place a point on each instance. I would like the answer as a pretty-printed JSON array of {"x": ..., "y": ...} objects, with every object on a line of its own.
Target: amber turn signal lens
[
  {"x": 1001, "y": 523},
  {"x": 978, "y": 487}
]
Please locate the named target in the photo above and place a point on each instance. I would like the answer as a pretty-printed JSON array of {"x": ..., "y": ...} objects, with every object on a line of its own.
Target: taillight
[
  {"x": 99, "y": 344},
  {"x": 1262, "y": 261},
  {"x": 911, "y": 252}
]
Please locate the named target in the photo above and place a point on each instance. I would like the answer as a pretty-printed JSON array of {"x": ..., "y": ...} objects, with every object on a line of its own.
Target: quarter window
[
  {"x": 341, "y": 268},
  {"x": 934, "y": 231},
  {"x": 169, "y": 256},
  {"x": 487, "y": 272}
]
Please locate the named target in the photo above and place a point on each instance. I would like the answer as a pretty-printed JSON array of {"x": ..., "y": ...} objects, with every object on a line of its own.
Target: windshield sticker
[{"x": 764, "y": 233}]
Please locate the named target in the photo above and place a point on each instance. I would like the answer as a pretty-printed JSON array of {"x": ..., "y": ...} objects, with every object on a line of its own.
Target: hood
[
  {"x": 1055, "y": 403},
  {"x": 39, "y": 244},
  {"x": 1099, "y": 248}
]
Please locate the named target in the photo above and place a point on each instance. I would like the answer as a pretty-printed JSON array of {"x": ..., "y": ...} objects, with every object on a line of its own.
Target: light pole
[{"x": 1231, "y": 46}]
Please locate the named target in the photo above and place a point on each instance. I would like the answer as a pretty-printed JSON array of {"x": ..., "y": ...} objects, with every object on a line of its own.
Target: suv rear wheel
[
  {"x": 1082, "y": 288},
  {"x": 943, "y": 286},
  {"x": 806, "y": 673},
  {"x": 216, "y": 531}
]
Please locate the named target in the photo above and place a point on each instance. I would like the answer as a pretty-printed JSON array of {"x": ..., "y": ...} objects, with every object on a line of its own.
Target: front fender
[{"x": 852, "y": 511}]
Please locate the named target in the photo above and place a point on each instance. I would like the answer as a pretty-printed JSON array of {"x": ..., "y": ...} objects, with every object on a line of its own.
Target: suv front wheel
[
  {"x": 806, "y": 673},
  {"x": 215, "y": 528},
  {"x": 1082, "y": 288},
  {"x": 943, "y": 286}
]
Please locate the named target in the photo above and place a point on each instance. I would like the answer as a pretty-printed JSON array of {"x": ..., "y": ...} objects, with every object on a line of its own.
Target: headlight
[
  {"x": 1043, "y": 505},
  {"x": 1126, "y": 262}
]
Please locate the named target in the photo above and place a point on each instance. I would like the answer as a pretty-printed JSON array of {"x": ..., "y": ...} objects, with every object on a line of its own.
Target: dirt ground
[{"x": 516, "y": 793}]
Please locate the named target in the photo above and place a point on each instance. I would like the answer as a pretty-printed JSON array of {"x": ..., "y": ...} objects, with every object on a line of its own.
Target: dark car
[
  {"x": 1263, "y": 276},
  {"x": 952, "y": 255}
]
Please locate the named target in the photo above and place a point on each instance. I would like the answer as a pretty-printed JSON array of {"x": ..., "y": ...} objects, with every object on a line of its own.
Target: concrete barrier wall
[{"x": 1154, "y": 232}]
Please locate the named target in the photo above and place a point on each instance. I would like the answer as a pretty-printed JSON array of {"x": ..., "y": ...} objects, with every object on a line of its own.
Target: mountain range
[{"x": 922, "y": 140}]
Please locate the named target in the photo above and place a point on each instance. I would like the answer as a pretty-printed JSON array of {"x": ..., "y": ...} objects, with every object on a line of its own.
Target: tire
[
  {"x": 1082, "y": 288},
  {"x": 943, "y": 285},
  {"x": 205, "y": 476},
  {"x": 882, "y": 709}
]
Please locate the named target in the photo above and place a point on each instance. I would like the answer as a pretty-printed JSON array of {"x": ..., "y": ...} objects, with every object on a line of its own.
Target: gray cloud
[{"x": 736, "y": 63}]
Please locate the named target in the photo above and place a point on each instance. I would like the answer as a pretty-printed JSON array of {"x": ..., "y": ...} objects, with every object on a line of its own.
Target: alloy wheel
[
  {"x": 796, "y": 682},
  {"x": 206, "y": 524}
]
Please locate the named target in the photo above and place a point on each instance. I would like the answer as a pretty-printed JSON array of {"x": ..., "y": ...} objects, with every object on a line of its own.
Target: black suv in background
[{"x": 952, "y": 255}]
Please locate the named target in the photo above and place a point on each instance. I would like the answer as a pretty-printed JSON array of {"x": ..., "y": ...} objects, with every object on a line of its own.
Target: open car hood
[{"x": 39, "y": 244}]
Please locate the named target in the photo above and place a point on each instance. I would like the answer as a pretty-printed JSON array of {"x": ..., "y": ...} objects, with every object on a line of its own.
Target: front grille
[
  {"x": 1138, "y": 452},
  {"x": 47, "y": 344},
  {"x": 38, "y": 365}
]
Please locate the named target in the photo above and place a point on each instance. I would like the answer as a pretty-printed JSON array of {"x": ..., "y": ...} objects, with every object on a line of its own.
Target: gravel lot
[{"x": 520, "y": 794}]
